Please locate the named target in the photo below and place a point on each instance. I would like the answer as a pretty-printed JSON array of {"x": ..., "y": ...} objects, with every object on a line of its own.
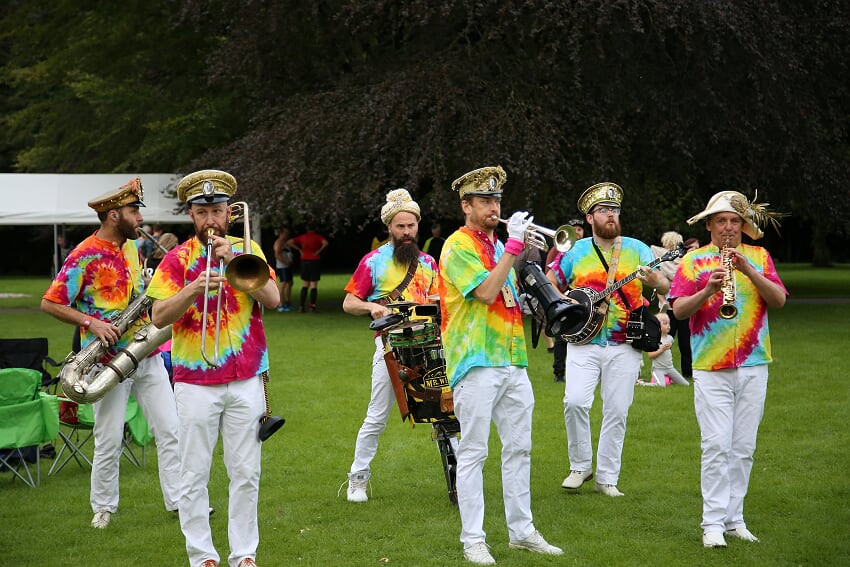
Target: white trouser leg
[
  {"x": 512, "y": 415},
  {"x": 729, "y": 405},
  {"x": 240, "y": 426},
  {"x": 377, "y": 414},
  {"x": 109, "y": 415},
  {"x": 583, "y": 371},
  {"x": 152, "y": 390},
  {"x": 619, "y": 370},
  {"x": 200, "y": 410}
]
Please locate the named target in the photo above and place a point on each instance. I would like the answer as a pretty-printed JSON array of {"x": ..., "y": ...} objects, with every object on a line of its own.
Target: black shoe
[{"x": 559, "y": 378}]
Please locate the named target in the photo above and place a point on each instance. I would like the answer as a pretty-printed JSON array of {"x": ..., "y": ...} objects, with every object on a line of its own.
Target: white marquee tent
[{"x": 48, "y": 198}]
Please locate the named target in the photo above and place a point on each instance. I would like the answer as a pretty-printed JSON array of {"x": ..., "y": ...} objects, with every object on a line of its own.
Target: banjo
[{"x": 587, "y": 327}]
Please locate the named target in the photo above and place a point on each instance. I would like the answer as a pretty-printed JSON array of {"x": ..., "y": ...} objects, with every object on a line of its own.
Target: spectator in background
[
  {"x": 284, "y": 256},
  {"x": 680, "y": 327},
  {"x": 145, "y": 245},
  {"x": 669, "y": 241},
  {"x": 310, "y": 246},
  {"x": 434, "y": 245}
]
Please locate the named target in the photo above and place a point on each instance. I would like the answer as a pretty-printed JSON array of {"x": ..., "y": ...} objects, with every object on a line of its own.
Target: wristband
[
  {"x": 514, "y": 246},
  {"x": 87, "y": 323}
]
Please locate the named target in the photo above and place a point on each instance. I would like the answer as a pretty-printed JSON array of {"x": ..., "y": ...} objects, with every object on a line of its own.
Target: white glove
[{"x": 518, "y": 224}]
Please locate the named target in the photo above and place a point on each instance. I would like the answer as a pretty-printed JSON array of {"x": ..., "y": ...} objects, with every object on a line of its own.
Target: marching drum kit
[{"x": 413, "y": 351}]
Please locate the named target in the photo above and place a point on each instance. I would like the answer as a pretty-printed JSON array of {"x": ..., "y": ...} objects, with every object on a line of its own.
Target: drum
[{"x": 417, "y": 347}]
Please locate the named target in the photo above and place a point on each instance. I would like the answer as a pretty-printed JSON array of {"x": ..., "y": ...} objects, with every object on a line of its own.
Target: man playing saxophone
[
  {"x": 726, "y": 288},
  {"x": 98, "y": 280},
  {"x": 218, "y": 390}
]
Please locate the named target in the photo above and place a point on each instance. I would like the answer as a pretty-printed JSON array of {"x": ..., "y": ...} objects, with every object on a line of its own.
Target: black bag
[{"x": 643, "y": 330}]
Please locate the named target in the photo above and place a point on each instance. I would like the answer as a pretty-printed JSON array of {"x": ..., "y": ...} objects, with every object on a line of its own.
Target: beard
[
  {"x": 405, "y": 252},
  {"x": 201, "y": 233},
  {"x": 604, "y": 230},
  {"x": 127, "y": 228}
]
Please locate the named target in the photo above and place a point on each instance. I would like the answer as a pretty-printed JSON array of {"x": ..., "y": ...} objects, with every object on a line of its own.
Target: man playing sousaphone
[
  {"x": 596, "y": 263},
  {"x": 395, "y": 271},
  {"x": 98, "y": 281},
  {"x": 726, "y": 288},
  {"x": 226, "y": 398}
]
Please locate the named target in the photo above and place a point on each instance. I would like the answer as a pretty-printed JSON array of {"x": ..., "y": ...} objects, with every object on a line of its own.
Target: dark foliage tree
[{"x": 319, "y": 108}]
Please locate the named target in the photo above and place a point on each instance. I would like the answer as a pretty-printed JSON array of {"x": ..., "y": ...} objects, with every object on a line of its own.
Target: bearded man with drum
[
  {"x": 486, "y": 360},
  {"x": 607, "y": 357},
  {"x": 226, "y": 397},
  {"x": 98, "y": 280},
  {"x": 726, "y": 288},
  {"x": 395, "y": 271}
]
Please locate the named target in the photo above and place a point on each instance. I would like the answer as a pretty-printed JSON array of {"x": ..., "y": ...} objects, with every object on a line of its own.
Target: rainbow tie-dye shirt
[
  {"x": 718, "y": 343},
  {"x": 100, "y": 279},
  {"x": 580, "y": 267},
  {"x": 377, "y": 275},
  {"x": 242, "y": 342},
  {"x": 474, "y": 333}
]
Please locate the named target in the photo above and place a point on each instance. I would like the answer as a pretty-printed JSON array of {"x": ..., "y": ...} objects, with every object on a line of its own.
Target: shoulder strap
[
  {"x": 612, "y": 271},
  {"x": 396, "y": 293}
]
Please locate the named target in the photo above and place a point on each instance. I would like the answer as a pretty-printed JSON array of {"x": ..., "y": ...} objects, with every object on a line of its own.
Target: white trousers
[
  {"x": 729, "y": 406},
  {"x": 617, "y": 368},
  {"x": 380, "y": 405},
  {"x": 234, "y": 410},
  {"x": 151, "y": 388},
  {"x": 503, "y": 395}
]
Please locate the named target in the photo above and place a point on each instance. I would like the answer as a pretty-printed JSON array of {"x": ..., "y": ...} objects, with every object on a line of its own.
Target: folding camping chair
[
  {"x": 28, "y": 417},
  {"x": 77, "y": 428},
  {"x": 28, "y": 353}
]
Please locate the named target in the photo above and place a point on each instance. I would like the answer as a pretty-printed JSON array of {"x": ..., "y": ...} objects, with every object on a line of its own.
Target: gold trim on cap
[
  {"x": 209, "y": 183},
  {"x": 605, "y": 192},
  {"x": 484, "y": 181},
  {"x": 131, "y": 193}
]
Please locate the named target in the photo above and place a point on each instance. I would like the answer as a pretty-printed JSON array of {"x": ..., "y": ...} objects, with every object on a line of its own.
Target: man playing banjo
[{"x": 596, "y": 263}]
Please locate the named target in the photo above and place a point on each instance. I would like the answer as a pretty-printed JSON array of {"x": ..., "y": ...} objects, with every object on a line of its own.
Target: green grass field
[{"x": 797, "y": 505}]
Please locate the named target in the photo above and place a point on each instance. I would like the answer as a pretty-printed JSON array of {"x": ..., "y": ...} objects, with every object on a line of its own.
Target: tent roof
[{"x": 47, "y": 198}]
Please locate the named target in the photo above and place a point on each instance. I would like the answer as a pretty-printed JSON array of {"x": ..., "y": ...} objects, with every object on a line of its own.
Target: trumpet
[
  {"x": 246, "y": 272},
  {"x": 564, "y": 236}
]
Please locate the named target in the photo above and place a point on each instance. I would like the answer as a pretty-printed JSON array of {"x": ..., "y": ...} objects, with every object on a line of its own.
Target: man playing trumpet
[
  {"x": 731, "y": 351},
  {"x": 97, "y": 281},
  {"x": 224, "y": 399}
]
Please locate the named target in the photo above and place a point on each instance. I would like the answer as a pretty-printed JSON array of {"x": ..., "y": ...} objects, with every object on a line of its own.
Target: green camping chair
[{"x": 28, "y": 417}]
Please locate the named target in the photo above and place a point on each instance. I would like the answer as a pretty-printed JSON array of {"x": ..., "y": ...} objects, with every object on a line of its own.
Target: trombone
[
  {"x": 246, "y": 272},
  {"x": 564, "y": 236}
]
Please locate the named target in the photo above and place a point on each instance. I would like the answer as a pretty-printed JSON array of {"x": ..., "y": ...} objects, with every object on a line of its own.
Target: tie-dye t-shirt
[
  {"x": 580, "y": 267},
  {"x": 718, "y": 343},
  {"x": 378, "y": 275},
  {"x": 100, "y": 279},
  {"x": 242, "y": 341},
  {"x": 476, "y": 334}
]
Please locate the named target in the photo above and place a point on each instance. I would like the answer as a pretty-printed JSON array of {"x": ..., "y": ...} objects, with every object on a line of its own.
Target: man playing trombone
[
  {"x": 97, "y": 281},
  {"x": 218, "y": 387}
]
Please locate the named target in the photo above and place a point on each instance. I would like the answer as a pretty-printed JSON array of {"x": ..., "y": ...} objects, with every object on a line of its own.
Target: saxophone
[
  {"x": 85, "y": 388},
  {"x": 728, "y": 287}
]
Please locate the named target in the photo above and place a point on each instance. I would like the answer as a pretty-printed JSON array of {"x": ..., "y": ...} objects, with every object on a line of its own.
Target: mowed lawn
[{"x": 798, "y": 502}]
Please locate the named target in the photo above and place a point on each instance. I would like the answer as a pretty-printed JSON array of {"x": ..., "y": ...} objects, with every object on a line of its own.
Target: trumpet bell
[
  {"x": 247, "y": 273},
  {"x": 565, "y": 237}
]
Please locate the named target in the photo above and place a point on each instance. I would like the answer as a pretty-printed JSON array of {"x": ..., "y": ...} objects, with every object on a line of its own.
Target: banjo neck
[{"x": 600, "y": 295}]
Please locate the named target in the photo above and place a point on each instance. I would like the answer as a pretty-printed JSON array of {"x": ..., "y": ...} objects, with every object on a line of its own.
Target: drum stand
[{"x": 446, "y": 435}]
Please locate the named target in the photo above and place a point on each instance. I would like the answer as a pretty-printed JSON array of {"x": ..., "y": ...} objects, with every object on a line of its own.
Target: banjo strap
[{"x": 602, "y": 309}]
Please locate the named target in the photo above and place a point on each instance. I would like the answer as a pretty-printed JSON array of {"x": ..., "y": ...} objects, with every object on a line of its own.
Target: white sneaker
[
  {"x": 608, "y": 489},
  {"x": 357, "y": 483},
  {"x": 576, "y": 479},
  {"x": 537, "y": 544},
  {"x": 479, "y": 553},
  {"x": 713, "y": 539},
  {"x": 100, "y": 520},
  {"x": 742, "y": 533}
]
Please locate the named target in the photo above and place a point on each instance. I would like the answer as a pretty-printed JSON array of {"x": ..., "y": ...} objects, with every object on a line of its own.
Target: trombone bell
[{"x": 246, "y": 272}]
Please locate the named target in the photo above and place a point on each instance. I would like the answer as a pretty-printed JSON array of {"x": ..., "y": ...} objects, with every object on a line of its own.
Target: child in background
[{"x": 663, "y": 372}]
